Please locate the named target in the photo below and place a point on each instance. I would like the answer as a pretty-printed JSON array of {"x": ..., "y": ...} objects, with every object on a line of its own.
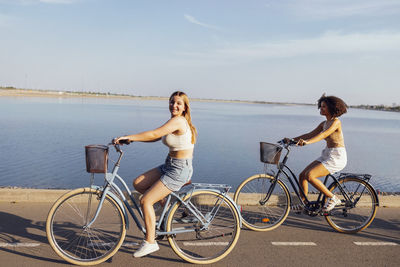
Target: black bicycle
[{"x": 264, "y": 200}]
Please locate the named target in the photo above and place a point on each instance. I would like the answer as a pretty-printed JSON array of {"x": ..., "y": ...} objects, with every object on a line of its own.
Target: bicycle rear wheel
[
  {"x": 356, "y": 214},
  {"x": 250, "y": 197},
  {"x": 69, "y": 236},
  {"x": 198, "y": 242}
]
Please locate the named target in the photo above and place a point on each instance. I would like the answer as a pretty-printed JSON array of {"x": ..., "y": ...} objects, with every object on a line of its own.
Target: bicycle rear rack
[
  {"x": 226, "y": 187},
  {"x": 364, "y": 176}
]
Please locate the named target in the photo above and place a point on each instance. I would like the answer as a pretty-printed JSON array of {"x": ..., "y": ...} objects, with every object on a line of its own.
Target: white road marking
[
  {"x": 17, "y": 244},
  {"x": 375, "y": 243},
  {"x": 110, "y": 244},
  {"x": 203, "y": 244},
  {"x": 293, "y": 243}
]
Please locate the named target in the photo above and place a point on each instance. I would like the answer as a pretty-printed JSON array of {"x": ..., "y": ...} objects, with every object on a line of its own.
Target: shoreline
[
  {"x": 11, "y": 187},
  {"x": 15, "y": 92},
  {"x": 20, "y": 195},
  {"x": 18, "y": 92}
]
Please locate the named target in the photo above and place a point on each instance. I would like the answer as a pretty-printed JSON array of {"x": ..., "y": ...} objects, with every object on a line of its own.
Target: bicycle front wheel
[
  {"x": 357, "y": 212},
  {"x": 73, "y": 240},
  {"x": 259, "y": 214},
  {"x": 210, "y": 238}
]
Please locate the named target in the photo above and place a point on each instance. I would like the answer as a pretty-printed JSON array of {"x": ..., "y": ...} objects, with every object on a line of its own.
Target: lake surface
[{"x": 42, "y": 139}]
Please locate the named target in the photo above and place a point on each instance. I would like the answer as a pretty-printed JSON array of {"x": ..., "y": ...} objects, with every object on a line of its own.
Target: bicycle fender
[{"x": 119, "y": 203}]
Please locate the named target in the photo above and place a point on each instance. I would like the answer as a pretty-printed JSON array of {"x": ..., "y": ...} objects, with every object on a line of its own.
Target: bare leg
[
  {"x": 303, "y": 184},
  {"x": 303, "y": 178},
  {"x": 311, "y": 174},
  {"x": 144, "y": 181},
  {"x": 157, "y": 192}
]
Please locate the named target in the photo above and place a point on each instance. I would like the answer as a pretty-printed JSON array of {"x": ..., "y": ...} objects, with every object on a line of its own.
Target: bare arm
[
  {"x": 311, "y": 134},
  {"x": 324, "y": 134},
  {"x": 172, "y": 125}
]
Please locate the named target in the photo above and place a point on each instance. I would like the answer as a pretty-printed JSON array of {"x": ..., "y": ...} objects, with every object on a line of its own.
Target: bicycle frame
[
  {"x": 288, "y": 173},
  {"x": 111, "y": 185}
]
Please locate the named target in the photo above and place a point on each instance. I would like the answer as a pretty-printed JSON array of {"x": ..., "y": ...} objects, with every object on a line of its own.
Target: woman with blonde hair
[{"x": 179, "y": 134}]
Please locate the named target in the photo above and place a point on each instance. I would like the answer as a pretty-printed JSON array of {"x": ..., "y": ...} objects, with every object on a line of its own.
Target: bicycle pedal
[{"x": 160, "y": 237}]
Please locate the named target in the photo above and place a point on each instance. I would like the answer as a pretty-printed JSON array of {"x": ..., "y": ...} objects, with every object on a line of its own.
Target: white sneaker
[
  {"x": 331, "y": 203},
  {"x": 145, "y": 249}
]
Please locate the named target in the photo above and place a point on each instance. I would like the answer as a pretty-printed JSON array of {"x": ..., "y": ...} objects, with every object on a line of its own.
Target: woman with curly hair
[{"x": 333, "y": 157}]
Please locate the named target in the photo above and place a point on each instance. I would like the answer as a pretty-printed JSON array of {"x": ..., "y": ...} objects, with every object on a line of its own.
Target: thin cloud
[
  {"x": 193, "y": 20},
  {"x": 328, "y": 43},
  {"x": 323, "y": 9}
]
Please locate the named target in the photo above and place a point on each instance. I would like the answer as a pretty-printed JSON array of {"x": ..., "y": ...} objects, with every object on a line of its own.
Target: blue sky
[{"x": 280, "y": 50}]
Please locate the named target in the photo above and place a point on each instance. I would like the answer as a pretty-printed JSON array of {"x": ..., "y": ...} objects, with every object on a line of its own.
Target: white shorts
[{"x": 334, "y": 159}]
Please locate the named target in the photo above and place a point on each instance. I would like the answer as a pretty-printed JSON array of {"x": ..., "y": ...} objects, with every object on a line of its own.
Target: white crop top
[{"x": 179, "y": 142}]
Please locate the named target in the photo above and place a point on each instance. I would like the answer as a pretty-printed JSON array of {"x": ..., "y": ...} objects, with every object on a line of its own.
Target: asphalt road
[{"x": 300, "y": 241}]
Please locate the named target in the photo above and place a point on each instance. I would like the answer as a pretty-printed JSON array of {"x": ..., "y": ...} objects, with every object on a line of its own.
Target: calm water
[{"x": 42, "y": 139}]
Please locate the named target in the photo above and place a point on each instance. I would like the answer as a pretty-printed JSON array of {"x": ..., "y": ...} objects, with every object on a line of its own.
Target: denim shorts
[{"x": 175, "y": 172}]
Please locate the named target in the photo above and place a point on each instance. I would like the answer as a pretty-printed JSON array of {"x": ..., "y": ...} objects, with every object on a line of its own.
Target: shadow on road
[
  {"x": 372, "y": 231},
  {"x": 15, "y": 229}
]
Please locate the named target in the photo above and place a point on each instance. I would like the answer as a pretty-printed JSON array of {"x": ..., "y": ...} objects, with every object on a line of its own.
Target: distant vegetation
[
  {"x": 394, "y": 107},
  {"x": 379, "y": 107}
]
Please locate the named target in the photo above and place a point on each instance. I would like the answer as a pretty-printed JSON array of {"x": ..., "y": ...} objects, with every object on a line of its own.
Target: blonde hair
[{"x": 186, "y": 113}]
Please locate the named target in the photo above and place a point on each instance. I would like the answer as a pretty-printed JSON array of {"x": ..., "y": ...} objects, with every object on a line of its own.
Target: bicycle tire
[
  {"x": 255, "y": 215},
  {"x": 347, "y": 219},
  {"x": 66, "y": 232},
  {"x": 209, "y": 245}
]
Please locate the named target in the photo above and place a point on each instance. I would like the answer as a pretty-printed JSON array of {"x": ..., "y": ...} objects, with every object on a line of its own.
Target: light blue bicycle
[{"x": 87, "y": 226}]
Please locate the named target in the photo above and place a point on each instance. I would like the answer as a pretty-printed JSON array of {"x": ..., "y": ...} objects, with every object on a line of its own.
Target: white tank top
[{"x": 179, "y": 142}]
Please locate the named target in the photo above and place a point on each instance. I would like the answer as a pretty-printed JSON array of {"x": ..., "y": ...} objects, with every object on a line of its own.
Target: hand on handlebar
[
  {"x": 292, "y": 142},
  {"x": 121, "y": 141},
  {"x": 301, "y": 142},
  {"x": 287, "y": 141}
]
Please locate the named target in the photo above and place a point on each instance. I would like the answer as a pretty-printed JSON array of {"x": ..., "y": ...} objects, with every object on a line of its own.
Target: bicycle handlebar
[
  {"x": 117, "y": 146},
  {"x": 120, "y": 142},
  {"x": 291, "y": 142}
]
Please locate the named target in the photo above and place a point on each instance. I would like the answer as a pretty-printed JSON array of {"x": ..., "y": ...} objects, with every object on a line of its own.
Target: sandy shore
[
  {"x": 62, "y": 94},
  {"x": 14, "y": 92},
  {"x": 17, "y": 195}
]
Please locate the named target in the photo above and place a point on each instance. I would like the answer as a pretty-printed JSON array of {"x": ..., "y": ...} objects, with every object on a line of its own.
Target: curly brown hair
[{"x": 336, "y": 106}]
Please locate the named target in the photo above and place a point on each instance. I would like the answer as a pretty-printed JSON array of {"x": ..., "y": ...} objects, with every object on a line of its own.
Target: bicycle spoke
[
  {"x": 257, "y": 212},
  {"x": 358, "y": 206},
  {"x": 68, "y": 233},
  {"x": 211, "y": 241}
]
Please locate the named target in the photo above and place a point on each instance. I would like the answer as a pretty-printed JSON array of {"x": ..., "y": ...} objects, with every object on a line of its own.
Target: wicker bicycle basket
[
  {"x": 270, "y": 153},
  {"x": 96, "y": 158}
]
